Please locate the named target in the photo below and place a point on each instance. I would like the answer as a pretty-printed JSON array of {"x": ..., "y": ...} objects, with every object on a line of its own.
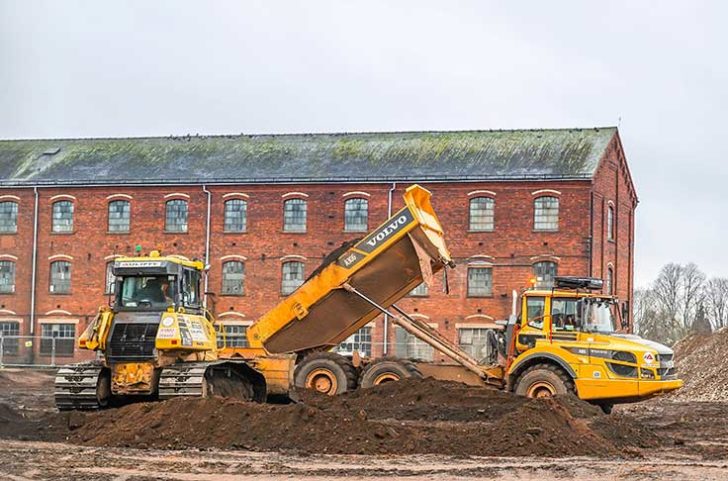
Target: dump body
[{"x": 386, "y": 264}]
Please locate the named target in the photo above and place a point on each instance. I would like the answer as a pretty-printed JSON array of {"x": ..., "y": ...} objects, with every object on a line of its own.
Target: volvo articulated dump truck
[{"x": 158, "y": 341}]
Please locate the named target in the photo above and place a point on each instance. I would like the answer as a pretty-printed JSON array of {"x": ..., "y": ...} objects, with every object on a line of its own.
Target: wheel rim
[
  {"x": 541, "y": 389},
  {"x": 386, "y": 377},
  {"x": 322, "y": 380}
]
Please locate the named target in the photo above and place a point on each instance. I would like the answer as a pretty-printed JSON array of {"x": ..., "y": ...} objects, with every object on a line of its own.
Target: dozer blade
[{"x": 75, "y": 386}]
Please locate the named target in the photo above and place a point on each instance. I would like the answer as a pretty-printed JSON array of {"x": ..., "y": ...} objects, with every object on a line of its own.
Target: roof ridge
[{"x": 306, "y": 134}]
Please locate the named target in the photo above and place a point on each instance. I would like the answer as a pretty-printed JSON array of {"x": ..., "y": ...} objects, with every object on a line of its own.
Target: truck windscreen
[{"x": 147, "y": 292}]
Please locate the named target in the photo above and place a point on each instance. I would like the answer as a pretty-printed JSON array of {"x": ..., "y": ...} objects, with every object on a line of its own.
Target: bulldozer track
[
  {"x": 75, "y": 386},
  {"x": 183, "y": 380}
]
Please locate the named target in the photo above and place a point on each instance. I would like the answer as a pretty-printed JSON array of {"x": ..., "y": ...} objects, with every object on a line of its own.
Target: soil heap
[
  {"x": 407, "y": 417},
  {"x": 702, "y": 362}
]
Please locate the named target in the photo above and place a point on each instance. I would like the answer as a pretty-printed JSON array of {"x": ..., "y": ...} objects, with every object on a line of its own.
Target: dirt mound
[
  {"x": 414, "y": 416},
  {"x": 702, "y": 362}
]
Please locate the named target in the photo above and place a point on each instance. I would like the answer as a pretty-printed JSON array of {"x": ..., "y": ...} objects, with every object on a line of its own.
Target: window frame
[
  {"x": 13, "y": 275},
  {"x": 70, "y": 278},
  {"x": 109, "y": 287},
  {"x": 474, "y": 267},
  {"x": 283, "y": 290},
  {"x": 610, "y": 222},
  {"x": 549, "y": 284},
  {"x": 167, "y": 217},
  {"x": 225, "y": 211},
  {"x": 423, "y": 287},
  {"x": 238, "y": 336},
  {"x": 295, "y": 201},
  {"x": 223, "y": 292},
  {"x": 109, "y": 230},
  {"x": 536, "y": 209},
  {"x": 359, "y": 227},
  {"x": 10, "y": 328},
  {"x": 491, "y": 203},
  {"x": 46, "y": 340},
  {"x": 13, "y": 216},
  {"x": 72, "y": 211}
]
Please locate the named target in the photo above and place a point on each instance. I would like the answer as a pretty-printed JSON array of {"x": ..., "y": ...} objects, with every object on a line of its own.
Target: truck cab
[{"x": 569, "y": 339}]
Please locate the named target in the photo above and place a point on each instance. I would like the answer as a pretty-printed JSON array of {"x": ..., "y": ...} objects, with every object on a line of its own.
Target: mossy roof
[{"x": 362, "y": 157}]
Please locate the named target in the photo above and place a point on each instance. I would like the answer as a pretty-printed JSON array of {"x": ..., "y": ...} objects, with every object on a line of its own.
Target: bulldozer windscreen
[{"x": 146, "y": 292}]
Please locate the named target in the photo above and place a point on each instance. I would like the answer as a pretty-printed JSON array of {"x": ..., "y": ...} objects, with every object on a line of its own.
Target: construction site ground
[{"x": 410, "y": 430}]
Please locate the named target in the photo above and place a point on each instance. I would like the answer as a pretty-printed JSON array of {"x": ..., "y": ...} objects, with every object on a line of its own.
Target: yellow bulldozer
[{"x": 157, "y": 341}]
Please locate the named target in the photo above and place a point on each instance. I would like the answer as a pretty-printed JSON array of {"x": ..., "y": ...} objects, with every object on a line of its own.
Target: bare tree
[
  {"x": 693, "y": 280},
  {"x": 716, "y": 299}
]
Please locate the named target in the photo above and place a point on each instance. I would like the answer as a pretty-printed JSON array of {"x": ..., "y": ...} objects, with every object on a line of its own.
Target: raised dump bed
[{"x": 384, "y": 266}]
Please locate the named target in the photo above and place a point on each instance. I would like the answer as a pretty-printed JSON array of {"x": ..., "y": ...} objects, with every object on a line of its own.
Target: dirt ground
[{"x": 475, "y": 433}]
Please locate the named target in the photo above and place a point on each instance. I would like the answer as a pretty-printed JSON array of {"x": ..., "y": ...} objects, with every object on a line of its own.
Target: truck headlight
[{"x": 647, "y": 373}]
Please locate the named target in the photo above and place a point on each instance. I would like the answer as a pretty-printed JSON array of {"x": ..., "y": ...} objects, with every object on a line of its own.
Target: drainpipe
[
  {"x": 207, "y": 241},
  {"x": 34, "y": 262},
  {"x": 390, "y": 194}
]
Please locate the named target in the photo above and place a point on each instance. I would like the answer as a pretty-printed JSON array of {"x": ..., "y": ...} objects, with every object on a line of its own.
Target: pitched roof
[{"x": 354, "y": 157}]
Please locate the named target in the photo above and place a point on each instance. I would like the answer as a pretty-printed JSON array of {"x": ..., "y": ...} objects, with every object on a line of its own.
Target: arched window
[
  {"x": 62, "y": 216},
  {"x": 292, "y": 276},
  {"x": 480, "y": 281},
  {"x": 60, "y": 277},
  {"x": 119, "y": 216},
  {"x": 419, "y": 291},
  {"x": 609, "y": 288},
  {"x": 8, "y": 217},
  {"x": 482, "y": 214},
  {"x": 356, "y": 215},
  {"x": 610, "y": 222},
  {"x": 233, "y": 278},
  {"x": 236, "y": 215},
  {"x": 294, "y": 215},
  {"x": 7, "y": 277},
  {"x": 110, "y": 278},
  {"x": 176, "y": 216},
  {"x": 545, "y": 273},
  {"x": 546, "y": 213}
]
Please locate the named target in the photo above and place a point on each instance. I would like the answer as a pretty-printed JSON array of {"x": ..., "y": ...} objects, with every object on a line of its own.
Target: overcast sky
[{"x": 141, "y": 68}]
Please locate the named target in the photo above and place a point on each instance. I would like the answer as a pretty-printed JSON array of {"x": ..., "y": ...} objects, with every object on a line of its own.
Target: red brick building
[{"x": 264, "y": 210}]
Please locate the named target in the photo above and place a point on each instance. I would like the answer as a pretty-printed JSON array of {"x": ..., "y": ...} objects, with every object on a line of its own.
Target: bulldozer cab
[{"x": 157, "y": 283}]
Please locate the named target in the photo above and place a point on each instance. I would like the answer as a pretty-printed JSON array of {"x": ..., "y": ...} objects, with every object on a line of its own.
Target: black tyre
[
  {"x": 544, "y": 380},
  {"x": 606, "y": 407},
  {"x": 103, "y": 388},
  {"x": 388, "y": 369},
  {"x": 326, "y": 372}
]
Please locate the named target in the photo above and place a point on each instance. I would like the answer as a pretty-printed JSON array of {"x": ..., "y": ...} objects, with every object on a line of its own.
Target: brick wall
[{"x": 512, "y": 248}]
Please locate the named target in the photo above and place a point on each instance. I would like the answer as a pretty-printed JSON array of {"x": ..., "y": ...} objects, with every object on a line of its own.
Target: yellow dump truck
[{"x": 166, "y": 345}]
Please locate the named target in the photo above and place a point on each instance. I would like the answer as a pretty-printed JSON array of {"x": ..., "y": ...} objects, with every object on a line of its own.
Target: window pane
[
  {"x": 60, "y": 336},
  {"x": 119, "y": 216},
  {"x": 481, "y": 343},
  {"x": 7, "y": 277},
  {"x": 482, "y": 214},
  {"x": 356, "y": 215},
  {"x": 60, "y": 277},
  {"x": 545, "y": 273},
  {"x": 236, "y": 215},
  {"x": 480, "y": 281},
  {"x": 235, "y": 336},
  {"x": 10, "y": 331},
  {"x": 419, "y": 291},
  {"x": 409, "y": 347},
  {"x": 536, "y": 309},
  {"x": 292, "y": 277},
  {"x": 564, "y": 314},
  {"x": 294, "y": 215},
  {"x": 546, "y": 213},
  {"x": 63, "y": 216},
  {"x": 360, "y": 341},
  {"x": 110, "y": 278},
  {"x": 176, "y": 218},
  {"x": 610, "y": 281},
  {"x": 8, "y": 217},
  {"x": 233, "y": 278},
  {"x": 610, "y": 223}
]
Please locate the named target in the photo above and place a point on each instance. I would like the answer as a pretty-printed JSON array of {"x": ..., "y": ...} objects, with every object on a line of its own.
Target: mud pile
[
  {"x": 415, "y": 416},
  {"x": 702, "y": 362}
]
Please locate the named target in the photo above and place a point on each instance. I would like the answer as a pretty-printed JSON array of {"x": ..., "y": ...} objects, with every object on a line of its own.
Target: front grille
[{"x": 132, "y": 342}]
